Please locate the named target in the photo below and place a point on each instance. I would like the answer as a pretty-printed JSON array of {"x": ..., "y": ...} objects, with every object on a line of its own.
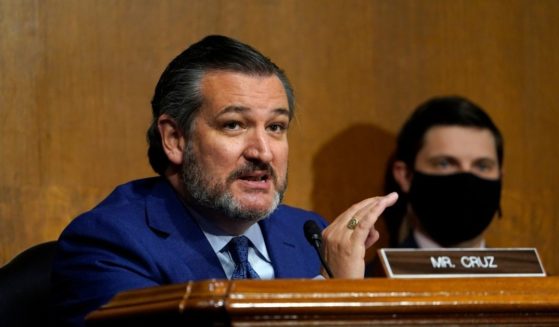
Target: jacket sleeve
[{"x": 96, "y": 259}]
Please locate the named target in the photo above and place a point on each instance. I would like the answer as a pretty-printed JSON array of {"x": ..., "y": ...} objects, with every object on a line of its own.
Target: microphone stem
[{"x": 328, "y": 271}]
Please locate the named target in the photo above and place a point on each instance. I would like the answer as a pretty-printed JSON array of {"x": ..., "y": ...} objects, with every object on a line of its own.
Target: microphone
[{"x": 314, "y": 236}]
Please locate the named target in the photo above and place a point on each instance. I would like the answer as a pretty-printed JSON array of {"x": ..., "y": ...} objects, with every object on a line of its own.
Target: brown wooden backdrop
[{"x": 76, "y": 78}]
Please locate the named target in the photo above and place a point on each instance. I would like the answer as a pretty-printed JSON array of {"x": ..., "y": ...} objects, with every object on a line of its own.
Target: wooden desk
[{"x": 376, "y": 301}]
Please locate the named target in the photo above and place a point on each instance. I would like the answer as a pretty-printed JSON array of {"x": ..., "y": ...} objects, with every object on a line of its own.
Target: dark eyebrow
[
  {"x": 238, "y": 109},
  {"x": 241, "y": 109},
  {"x": 487, "y": 160},
  {"x": 444, "y": 156},
  {"x": 282, "y": 111}
]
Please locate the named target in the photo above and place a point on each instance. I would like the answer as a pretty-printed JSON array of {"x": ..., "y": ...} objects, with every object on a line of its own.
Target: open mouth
[{"x": 256, "y": 177}]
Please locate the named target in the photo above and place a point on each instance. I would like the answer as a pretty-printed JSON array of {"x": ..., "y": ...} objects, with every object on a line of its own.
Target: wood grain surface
[
  {"x": 379, "y": 302},
  {"x": 76, "y": 78}
]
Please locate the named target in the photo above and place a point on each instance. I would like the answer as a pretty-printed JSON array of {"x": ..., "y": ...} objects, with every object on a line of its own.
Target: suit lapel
[
  {"x": 281, "y": 247},
  {"x": 182, "y": 239}
]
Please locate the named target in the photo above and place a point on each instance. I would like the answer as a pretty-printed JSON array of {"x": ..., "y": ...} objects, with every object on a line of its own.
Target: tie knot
[{"x": 238, "y": 247}]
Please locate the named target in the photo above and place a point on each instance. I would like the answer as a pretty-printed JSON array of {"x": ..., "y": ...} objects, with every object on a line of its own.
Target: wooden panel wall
[{"x": 76, "y": 78}]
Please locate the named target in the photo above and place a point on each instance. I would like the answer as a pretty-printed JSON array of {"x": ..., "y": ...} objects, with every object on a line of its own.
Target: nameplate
[{"x": 464, "y": 262}]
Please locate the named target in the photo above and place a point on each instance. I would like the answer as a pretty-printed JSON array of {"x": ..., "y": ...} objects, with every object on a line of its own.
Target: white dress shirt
[
  {"x": 257, "y": 254},
  {"x": 425, "y": 242}
]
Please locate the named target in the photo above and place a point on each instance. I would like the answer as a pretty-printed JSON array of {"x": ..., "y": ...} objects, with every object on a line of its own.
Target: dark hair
[
  {"x": 178, "y": 93},
  {"x": 438, "y": 111}
]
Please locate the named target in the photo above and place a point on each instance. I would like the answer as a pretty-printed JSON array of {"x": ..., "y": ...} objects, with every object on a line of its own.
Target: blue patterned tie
[{"x": 238, "y": 248}]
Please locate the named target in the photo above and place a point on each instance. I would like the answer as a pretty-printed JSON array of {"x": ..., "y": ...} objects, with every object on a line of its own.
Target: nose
[
  {"x": 258, "y": 146},
  {"x": 464, "y": 168},
  {"x": 467, "y": 167}
]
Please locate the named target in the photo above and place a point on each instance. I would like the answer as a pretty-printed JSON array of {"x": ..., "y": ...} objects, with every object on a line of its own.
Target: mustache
[{"x": 251, "y": 167}]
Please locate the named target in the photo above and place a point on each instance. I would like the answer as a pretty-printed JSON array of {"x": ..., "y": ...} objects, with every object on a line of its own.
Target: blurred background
[{"x": 77, "y": 76}]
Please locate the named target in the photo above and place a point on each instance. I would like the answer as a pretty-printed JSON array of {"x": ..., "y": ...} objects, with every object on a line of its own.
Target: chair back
[{"x": 25, "y": 287}]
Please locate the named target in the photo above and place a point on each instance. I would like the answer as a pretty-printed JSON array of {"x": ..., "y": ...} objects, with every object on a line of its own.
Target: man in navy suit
[{"x": 218, "y": 141}]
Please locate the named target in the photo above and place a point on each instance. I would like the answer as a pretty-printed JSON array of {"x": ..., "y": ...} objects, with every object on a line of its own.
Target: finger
[
  {"x": 339, "y": 230},
  {"x": 365, "y": 205},
  {"x": 368, "y": 216},
  {"x": 372, "y": 238}
]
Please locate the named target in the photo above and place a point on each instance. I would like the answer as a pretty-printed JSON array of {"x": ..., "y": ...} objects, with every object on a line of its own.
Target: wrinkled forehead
[{"x": 225, "y": 89}]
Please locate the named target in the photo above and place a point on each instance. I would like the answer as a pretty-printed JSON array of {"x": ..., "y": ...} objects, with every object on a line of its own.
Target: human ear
[
  {"x": 402, "y": 174},
  {"x": 172, "y": 138}
]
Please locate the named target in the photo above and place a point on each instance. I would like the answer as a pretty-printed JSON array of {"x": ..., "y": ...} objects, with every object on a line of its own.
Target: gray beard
[{"x": 211, "y": 194}]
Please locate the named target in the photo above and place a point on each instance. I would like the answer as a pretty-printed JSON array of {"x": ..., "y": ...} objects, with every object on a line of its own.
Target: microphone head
[{"x": 313, "y": 233}]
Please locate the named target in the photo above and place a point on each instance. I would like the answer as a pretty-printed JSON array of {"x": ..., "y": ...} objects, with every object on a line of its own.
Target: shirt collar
[
  {"x": 219, "y": 240},
  {"x": 425, "y": 242}
]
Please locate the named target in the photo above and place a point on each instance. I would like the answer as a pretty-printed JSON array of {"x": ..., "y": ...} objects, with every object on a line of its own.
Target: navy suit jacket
[{"x": 141, "y": 235}]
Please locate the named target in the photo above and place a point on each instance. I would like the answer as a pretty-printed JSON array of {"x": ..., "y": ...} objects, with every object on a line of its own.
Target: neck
[
  {"x": 217, "y": 219},
  {"x": 424, "y": 240}
]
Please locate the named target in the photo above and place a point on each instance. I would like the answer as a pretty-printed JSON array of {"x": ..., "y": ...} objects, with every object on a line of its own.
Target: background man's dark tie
[{"x": 238, "y": 248}]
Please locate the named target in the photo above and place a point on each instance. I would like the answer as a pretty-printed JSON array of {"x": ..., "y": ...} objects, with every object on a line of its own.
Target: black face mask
[{"x": 454, "y": 208}]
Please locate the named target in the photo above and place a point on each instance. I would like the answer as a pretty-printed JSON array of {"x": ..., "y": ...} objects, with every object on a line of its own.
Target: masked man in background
[{"x": 447, "y": 168}]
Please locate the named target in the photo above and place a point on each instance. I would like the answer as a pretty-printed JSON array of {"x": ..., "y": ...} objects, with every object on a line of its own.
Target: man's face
[
  {"x": 236, "y": 158},
  {"x": 456, "y": 149}
]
